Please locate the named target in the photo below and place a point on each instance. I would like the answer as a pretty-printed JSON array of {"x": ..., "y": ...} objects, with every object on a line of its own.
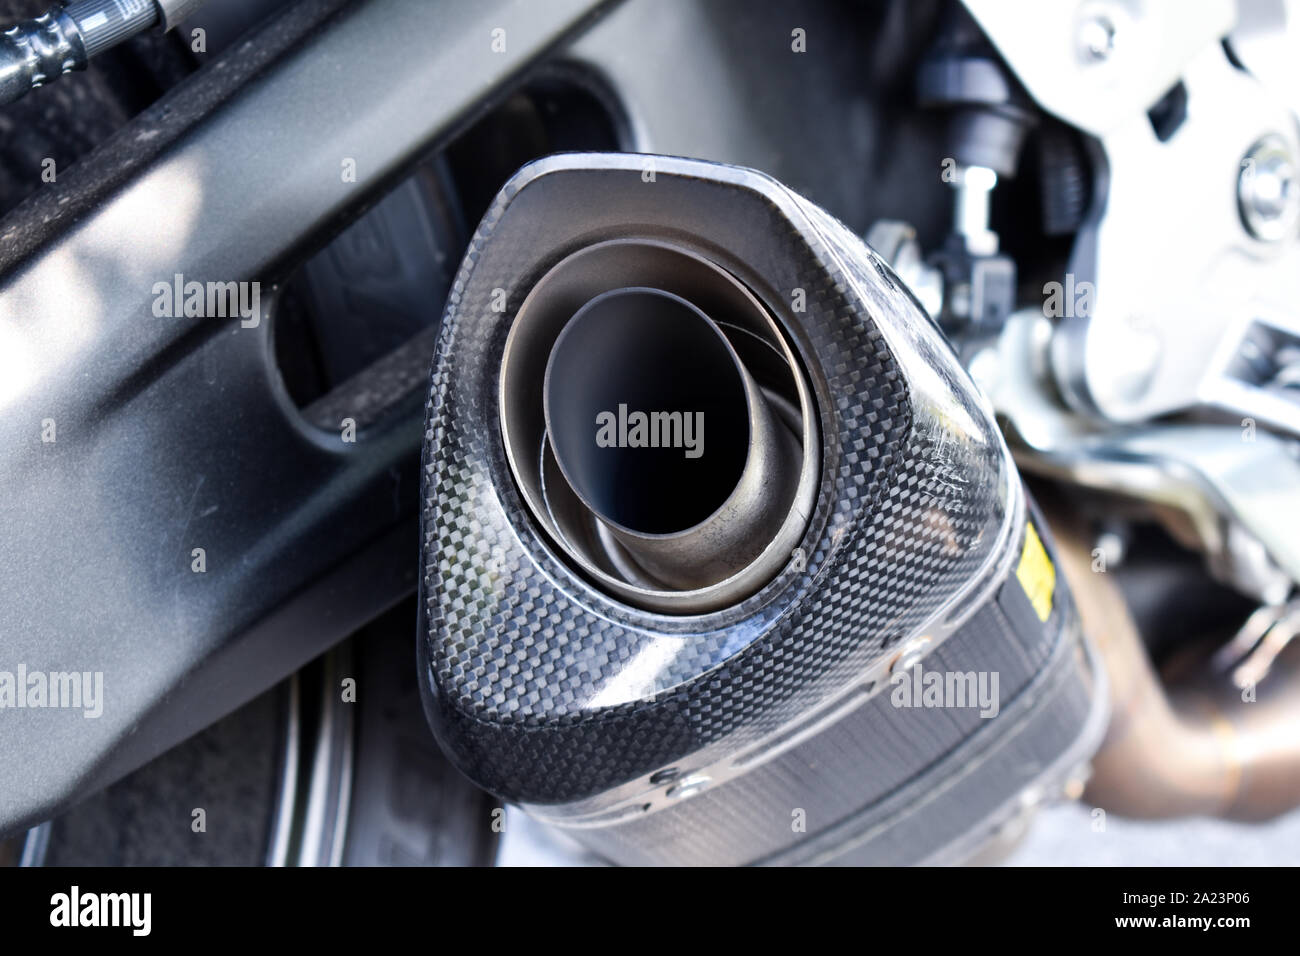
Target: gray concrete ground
[{"x": 1063, "y": 835}]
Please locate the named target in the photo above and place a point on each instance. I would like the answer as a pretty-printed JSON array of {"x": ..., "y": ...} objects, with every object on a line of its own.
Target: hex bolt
[
  {"x": 1097, "y": 39},
  {"x": 1268, "y": 194}
]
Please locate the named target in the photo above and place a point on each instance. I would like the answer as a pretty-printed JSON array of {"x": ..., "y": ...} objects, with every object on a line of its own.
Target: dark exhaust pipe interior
[
  {"x": 659, "y": 425},
  {"x": 665, "y": 436},
  {"x": 650, "y": 357}
]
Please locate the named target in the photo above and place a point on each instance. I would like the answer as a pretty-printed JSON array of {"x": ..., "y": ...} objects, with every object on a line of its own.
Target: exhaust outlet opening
[
  {"x": 635, "y": 384},
  {"x": 659, "y": 427}
]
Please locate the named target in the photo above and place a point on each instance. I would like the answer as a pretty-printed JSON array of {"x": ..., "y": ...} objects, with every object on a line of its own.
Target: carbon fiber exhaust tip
[{"x": 667, "y": 655}]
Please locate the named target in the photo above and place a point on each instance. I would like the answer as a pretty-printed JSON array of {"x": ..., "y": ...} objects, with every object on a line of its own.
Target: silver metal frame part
[
  {"x": 1235, "y": 486},
  {"x": 1184, "y": 276}
]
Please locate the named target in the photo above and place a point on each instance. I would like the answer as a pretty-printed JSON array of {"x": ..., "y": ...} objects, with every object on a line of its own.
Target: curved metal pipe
[
  {"x": 640, "y": 325},
  {"x": 690, "y": 513},
  {"x": 1201, "y": 750}
]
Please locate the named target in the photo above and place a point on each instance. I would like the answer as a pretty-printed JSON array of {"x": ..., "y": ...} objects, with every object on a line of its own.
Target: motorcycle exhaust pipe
[
  {"x": 704, "y": 489},
  {"x": 676, "y": 458},
  {"x": 1203, "y": 749},
  {"x": 690, "y": 516}
]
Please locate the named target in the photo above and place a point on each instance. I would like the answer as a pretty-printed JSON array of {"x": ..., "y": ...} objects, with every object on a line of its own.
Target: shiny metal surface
[
  {"x": 690, "y": 515},
  {"x": 748, "y": 535},
  {"x": 308, "y": 826},
  {"x": 1233, "y": 486},
  {"x": 172, "y": 12},
  {"x": 1099, "y": 63},
  {"x": 1219, "y": 746},
  {"x": 973, "y": 188},
  {"x": 106, "y": 23},
  {"x": 1194, "y": 253},
  {"x": 1268, "y": 190},
  {"x": 38, "y": 51}
]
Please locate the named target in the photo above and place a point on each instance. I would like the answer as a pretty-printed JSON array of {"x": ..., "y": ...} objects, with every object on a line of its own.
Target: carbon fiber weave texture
[
  {"x": 862, "y": 770},
  {"x": 518, "y": 646}
]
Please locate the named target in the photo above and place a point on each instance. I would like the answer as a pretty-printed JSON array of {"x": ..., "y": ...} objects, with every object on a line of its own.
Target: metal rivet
[
  {"x": 910, "y": 655},
  {"x": 1097, "y": 39},
  {"x": 689, "y": 786}
]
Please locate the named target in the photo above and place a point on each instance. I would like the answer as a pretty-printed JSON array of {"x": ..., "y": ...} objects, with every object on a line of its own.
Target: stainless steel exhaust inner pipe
[
  {"x": 645, "y": 326},
  {"x": 697, "y": 477}
]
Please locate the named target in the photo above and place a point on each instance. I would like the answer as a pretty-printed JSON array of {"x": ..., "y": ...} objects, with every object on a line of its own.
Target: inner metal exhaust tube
[
  {"x": 659, "y": 426},
  {"x": 689, "y": 513}
]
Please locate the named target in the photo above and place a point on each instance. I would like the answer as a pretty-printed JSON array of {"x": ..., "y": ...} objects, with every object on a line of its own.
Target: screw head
[
  {"x": 1097, "y": 39},
  {"x": 1268, "y": 190},
  {"x": 689, "y": 786},
  {"x": 910, "y": 655}
]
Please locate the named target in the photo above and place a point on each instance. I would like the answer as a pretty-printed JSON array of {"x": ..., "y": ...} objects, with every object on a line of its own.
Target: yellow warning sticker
[{"x": 1036, "y": 573}]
